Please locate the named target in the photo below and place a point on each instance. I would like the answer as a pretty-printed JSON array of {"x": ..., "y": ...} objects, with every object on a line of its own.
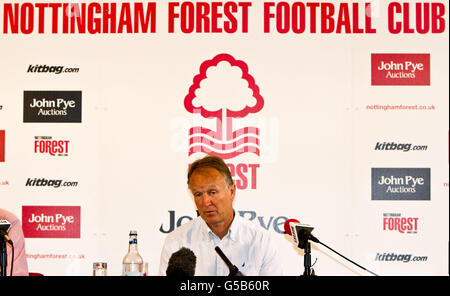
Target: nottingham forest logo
[
  {"x": 224, "y": 101},
  {"x": 224, "y": 92}
]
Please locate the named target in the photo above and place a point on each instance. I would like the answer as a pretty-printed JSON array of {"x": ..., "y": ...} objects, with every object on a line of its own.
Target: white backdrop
[{"x": 317, "y": 132}]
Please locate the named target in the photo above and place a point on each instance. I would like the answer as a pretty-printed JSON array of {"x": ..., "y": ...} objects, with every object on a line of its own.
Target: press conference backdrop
[{"x": 334, "y": 113}]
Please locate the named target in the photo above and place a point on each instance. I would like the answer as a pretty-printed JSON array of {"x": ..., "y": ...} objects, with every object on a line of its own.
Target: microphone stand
[
  {"x": 3, "y": 256},
  {"x": 307, "y": 260}
]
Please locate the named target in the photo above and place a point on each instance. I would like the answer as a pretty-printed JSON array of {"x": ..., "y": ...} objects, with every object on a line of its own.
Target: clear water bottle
[{"x": 132, "y": 263}]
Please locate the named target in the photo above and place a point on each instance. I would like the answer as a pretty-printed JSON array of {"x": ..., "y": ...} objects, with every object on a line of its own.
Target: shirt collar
[{"x": 232, "y": 231}]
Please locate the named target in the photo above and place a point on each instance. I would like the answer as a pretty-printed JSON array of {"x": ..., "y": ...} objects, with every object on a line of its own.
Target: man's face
[{"x": 212, "y": 196}]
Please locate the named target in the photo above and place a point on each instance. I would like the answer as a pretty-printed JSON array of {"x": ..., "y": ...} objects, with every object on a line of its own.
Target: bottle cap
[{"x": 100, "y": 265}]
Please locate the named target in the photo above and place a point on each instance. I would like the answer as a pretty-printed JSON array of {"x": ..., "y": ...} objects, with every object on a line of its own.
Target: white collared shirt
[{"x": 248, "y": 246}]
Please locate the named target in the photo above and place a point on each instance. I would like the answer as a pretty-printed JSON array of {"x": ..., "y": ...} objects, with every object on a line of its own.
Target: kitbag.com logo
[
  {"x": 405, "y": 147},
  {"x": 405, "y": 258},
  {"x": 400, "y": 69},
  {"x": 394, "y": 222},
  {"x": 46, "y": 145},
  {"x": 52, "y": 106},
  {"x": 51, "y": 69},
  {"x": 51, "y": 221},
  {"x": 55, "y": 183},
  {"x": 401, "y": 184},
  {"x": 2, "y": 145}
]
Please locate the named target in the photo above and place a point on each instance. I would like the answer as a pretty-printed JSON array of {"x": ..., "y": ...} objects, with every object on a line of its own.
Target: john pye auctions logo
[
  {"x": 400, "y": 69},
  {"x": 52, "y": 106},
  {"x": 400, "y": 184},
  {"x": 51, "y": 221}
]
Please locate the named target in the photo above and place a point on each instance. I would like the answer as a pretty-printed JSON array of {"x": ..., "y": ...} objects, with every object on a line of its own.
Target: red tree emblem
[{"x": 224, "y": 141}]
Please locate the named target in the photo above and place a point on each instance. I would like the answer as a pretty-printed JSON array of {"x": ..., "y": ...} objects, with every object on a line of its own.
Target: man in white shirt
[{"x": 248, "y": 246}]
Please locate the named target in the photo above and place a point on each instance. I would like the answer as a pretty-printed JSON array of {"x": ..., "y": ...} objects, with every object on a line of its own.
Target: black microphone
[
  {"x": 182, "y": 263},
  {"x": 234, "y": 271},
  {"x": 300, "y": 232},
  {"x": 4, "y": 227}
]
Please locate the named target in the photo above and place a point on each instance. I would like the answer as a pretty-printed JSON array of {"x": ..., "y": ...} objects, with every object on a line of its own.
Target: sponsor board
[
  {"x": 51, "y": 221},
  {"x": 52, "y": 106},
  {"x": 401, "y": 184},
  {"x": 400, "y": 69}
]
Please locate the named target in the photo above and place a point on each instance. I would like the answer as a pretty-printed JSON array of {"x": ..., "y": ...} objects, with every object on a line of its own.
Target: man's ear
[{"x": 232, "y": 191}]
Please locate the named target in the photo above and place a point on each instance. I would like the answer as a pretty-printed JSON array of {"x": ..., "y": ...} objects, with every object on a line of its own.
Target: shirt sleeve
[{"x": 20, "y": 267}]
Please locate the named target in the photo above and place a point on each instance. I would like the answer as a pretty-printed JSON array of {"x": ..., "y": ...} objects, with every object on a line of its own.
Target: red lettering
[
  {"x": 395, "y": 27},
  {"x": 298, "y": 18},
  {"x": 149, "y": 20},
  {"x": 313, "y": 6},
  {"x": 253, "y": 168},
  {"x": 344, "y": 19},
  {"x": 437, "y": 15},
  {"x": 26, "y": 18},
  {"x": 172, "y": 16},
  {"x": 423, "y": 26},
  {"x": 406, "y": 28},
  {"x": 423, "y": 18},
  {"x": 268, "y": 15},
  {"x": 231, "y": 25},
  {"x": 79, "y": 17},
  {"x": 242, "y": 173},
  {"x": 368, "y": 14},
  {"x": 245, "y": 6},
  {"x": 241, "y": 183},
  {"x": 283, "y": 17},
  {"x": 109, "y": 17},
  {"x": 125, "y": 18},
  {"x": 326, "y": 17},
  {"x": 202, "y": 17},
  {"x": 55, "y": 12},
  {"x": 94, "y": 24},
  {"x": 385, "y": 223},
  {"x": 41, "y": 16},
  {"x": 208, "y": 17},
  {"x": 356, "y": 28},
  {"x": 11, "y": 18},
  {"x": 215, "y": 15}
]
